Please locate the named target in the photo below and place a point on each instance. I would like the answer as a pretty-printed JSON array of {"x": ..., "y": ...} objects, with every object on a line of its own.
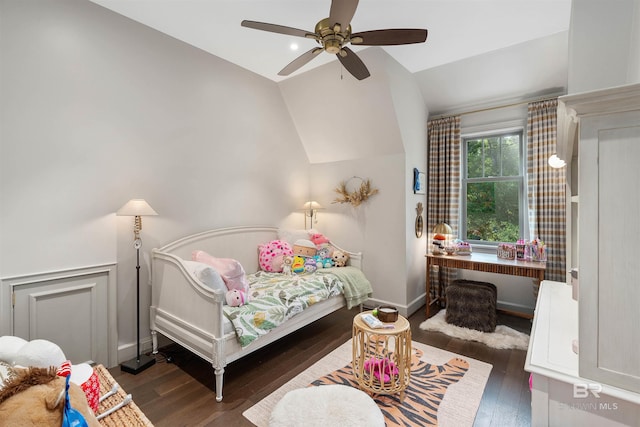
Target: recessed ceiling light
[{"x": 293, "y": 46}]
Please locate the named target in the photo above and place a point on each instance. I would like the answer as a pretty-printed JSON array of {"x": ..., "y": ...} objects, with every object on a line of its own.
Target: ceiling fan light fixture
[{"x": 333, "y": 34}]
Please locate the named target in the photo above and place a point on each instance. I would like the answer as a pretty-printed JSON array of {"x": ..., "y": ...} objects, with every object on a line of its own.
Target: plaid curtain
[
  {"x": 443, "y": 176},
  {"x": 546, "y": 187}
]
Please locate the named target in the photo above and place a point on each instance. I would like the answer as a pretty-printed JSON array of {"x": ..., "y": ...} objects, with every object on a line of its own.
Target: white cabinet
[
  {"x": 560, "y": 396},
  {"x": 609, "y": 232}
]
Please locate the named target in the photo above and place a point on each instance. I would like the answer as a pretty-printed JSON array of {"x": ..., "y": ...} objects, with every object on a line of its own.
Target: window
[{"x": 493, "y": 194}]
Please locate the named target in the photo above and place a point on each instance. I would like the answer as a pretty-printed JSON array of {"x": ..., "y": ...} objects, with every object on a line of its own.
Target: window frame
[{"x": 523, "y": 222}]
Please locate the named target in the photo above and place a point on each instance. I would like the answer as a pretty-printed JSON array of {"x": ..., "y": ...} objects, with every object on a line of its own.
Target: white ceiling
[{"x": 458, "y": 29}]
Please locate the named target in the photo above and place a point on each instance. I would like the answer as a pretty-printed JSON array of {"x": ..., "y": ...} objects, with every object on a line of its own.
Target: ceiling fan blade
[
  {"x": 300, "y": 61},
  {"x": 353, "y": 63},
  {"x": 342, "y": 12},
  {"x": 274, "y": 28},
  {"x": 389, "y": 37}
]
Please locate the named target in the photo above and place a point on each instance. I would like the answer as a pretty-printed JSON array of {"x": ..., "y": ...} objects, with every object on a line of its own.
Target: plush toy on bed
[
  {"x": 340, "y": 258},
  {"x": 323, "y": 258},
  {"x": 298, "y": 265},
  {"x": 271, "y": 255},
  {"x": 318, "y": 239},
  {"x": 287, "y": 264},
  {"x": 310, "y": 265},
  {"x": 235, "y": 298}
]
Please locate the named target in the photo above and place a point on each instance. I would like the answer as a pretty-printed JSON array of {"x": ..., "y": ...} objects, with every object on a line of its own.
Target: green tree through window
[{"x": 493, "y": 187}]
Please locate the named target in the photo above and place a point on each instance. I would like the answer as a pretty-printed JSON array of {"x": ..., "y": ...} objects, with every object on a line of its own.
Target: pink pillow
[
  {"x": 230, "y": 269},
  {"x": 271, "y": 255}
]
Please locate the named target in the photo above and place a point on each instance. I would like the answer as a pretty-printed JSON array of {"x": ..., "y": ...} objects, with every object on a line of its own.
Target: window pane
[
  {"x": 492, "y": 157},
  {"x": 511, "y": 155},
  {"x": 493, "y": 211},
  {"x": 474, "y": 158}
]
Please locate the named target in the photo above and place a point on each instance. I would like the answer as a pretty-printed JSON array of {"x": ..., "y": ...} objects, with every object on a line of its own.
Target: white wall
[
  {"x": 603, "y": 44},
  {"x": 375, "y": 128},
  {"x": 97, "y": 109}
]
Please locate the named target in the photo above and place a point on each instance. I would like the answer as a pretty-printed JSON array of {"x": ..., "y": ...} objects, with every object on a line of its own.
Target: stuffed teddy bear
[
  {"x": 271, "y": 255},
  {"x": 340, "y": 258},
  {"x": 235, "y": 298}
]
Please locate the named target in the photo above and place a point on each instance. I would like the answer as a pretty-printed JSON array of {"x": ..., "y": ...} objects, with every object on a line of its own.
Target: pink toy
[
  {"x": 235, "y": 298},
  {"x": 271, "y": 255},
  {"x": 231, "y": 270},
  {"x": 382, "y": 369},
  {"x": 318, "y": 239}
]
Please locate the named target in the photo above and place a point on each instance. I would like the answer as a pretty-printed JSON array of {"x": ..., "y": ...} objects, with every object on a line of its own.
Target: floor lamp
[{"x": 137, "y": 208}]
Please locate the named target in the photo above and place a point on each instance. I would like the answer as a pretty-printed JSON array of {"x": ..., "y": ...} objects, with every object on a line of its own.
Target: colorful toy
[
  {"x": 318, "y": 239},
  {"x": 271, "y": 255},
  {"x": 323, "y": 262},
  {"x": 382, "y": 369},
  {"x": 298, "y": 264},
  {"x": 310, "y": 265},
  {"x": 235, "y": 298},
  {"x": 340, "y": 258}
]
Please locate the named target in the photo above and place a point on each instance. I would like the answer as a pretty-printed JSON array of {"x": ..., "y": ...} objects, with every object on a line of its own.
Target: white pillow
[
  {"x": 206, "y": 274},
  {"x": 291, "y": 235}
]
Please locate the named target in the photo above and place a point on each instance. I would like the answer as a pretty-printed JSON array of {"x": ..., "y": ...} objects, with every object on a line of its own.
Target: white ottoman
[{"x": 326, "y": 405}]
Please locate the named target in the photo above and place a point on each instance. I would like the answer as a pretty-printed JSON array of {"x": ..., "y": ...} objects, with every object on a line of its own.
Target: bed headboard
[{"x": 240, "y": 243}]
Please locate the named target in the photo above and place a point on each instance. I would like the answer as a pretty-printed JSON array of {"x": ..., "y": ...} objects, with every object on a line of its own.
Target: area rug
[
  {"x": 502, "y": 338},
  {"x": 445, "y": 388}
]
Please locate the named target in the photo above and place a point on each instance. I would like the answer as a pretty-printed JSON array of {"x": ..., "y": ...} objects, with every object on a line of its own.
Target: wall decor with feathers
[{"x": 356, "y": 197}]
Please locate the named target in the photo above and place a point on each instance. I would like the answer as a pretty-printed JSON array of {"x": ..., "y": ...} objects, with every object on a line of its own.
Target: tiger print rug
[{"x": 445, "y": 388}]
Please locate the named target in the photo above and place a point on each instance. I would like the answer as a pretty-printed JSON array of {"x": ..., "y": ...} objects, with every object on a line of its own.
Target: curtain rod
[{"x": 497, "y": 107}]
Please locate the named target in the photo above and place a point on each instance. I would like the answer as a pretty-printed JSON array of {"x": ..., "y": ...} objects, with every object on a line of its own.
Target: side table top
[{"x": 400, "y": 325}]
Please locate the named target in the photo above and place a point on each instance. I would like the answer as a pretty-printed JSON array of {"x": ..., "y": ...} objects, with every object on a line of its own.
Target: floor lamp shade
[{"x": 137, "y": 208}]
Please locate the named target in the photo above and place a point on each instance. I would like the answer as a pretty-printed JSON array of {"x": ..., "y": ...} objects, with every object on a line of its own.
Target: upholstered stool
[
  {"x": 472, "y": 305},
  {"x": 326, "y": 405}
]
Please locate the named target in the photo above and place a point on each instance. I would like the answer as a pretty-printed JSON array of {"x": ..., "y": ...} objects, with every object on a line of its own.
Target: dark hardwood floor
[{"x": 181, "y": 393}]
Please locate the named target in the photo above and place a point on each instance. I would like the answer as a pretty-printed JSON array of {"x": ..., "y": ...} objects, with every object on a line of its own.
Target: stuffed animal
[
  {"x": 310, "y": 265},
  {"x": 318, "y": 239},
  {"x": 304, "y": 248},
  {"x": 340, "y": 258},
  {"x": 235, "y": 298},
  {"x": 271, "y": 255},
  {"x": 298, "y": 265},
  {"x": 35, "y": 397},
  {"x": 29, "y": 394},
  {"x": 287, "y": 263},
  {"x": 323, "y": 262}
]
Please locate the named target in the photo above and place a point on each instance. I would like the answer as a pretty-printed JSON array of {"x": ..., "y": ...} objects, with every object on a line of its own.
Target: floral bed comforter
[{"x": 276, "y": 297}]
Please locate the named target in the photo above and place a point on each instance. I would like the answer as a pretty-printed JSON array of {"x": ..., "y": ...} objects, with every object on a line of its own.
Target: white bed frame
[{"x": 190, "y": 314}]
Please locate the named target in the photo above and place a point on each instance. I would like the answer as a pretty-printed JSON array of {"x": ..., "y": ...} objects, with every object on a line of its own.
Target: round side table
[{"x": 382, "y": 357}]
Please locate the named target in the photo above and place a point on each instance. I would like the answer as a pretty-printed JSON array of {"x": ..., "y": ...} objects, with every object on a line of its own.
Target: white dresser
[{"x": 560, "y": 397}]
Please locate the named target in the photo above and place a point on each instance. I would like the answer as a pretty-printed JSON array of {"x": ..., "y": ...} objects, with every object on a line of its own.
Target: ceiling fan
[{"x": 334, "y": 33}]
